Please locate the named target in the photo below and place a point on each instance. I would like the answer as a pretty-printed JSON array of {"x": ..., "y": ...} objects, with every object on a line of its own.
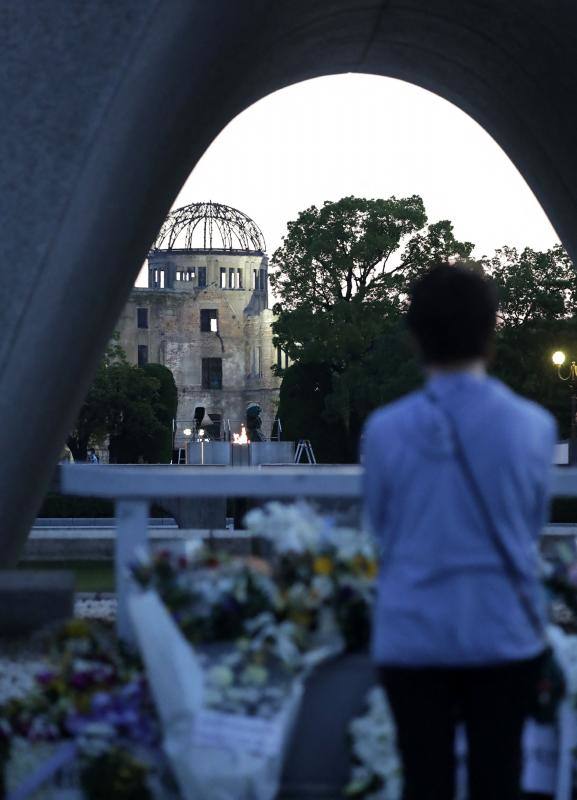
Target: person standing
[{"x": 457, "y": 491}]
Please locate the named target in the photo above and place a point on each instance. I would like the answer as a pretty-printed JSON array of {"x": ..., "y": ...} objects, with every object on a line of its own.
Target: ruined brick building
[{"x": 205, "y": 316}]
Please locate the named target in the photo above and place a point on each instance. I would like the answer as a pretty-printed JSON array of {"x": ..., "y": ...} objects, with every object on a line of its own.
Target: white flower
[
  {"x": 373, "y": 744},
  {"x": 323, "y": 587},
  {"x": 290, "y": 528},
  {"x": 221, "y": 676},
  {"x": 255, "y": 675},
  {"x": 192, "y": 548}
]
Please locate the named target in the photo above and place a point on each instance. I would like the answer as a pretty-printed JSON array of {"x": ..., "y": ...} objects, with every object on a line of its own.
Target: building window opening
[
  {"x": 258, "y": 362},
  {"x": 223, "y": 277},
  {"x": 262, "y": 281},
  {"x": 255, "y": 280},
  {"x": 239, "y": 278},
  {"x": 209, "y": 320},
  {"x": 202, "y": 277},
  {"x": 231, "y": 276},
  {"x": 282, "y": 359},
  {"x": 142, "y": 317},
  {"x": 142, "y": 355},
  {"x": 212, "y": 373}
]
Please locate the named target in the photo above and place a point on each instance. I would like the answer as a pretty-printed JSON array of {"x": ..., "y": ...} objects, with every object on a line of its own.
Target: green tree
[
  {"x": 133, "y": 406},
  {"x": 341, "y": 279},
  {"x": 156, "y": 445},
  {"x": 534, "y": 287},
  {"x": 538, "y": 301},
  {"x": 98, "y": 414},
  {"x": 303, "y": 394}
]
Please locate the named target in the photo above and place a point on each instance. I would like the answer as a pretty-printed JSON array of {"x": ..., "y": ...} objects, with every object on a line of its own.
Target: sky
[{"x": 367, "y": 136}]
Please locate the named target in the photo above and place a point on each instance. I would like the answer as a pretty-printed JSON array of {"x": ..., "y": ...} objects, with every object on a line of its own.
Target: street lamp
[
  {"x": 188, "y": 433},
  {"x": 558, "y": 359},
  {"x": 201, "y": 439}
]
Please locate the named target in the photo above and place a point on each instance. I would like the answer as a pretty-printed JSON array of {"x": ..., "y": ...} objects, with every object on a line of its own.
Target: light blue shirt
[{"x": 444, "y": 597}]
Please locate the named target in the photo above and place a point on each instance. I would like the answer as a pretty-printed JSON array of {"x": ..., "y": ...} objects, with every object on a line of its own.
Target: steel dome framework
[{"x": 209, "y": 226}]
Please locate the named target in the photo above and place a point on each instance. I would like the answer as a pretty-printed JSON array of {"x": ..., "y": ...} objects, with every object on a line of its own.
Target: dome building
[{"x": 205, "y": 316}]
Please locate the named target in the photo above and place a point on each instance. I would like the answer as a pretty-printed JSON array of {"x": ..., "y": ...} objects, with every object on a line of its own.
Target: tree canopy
[
  {"x": 348, "y": 263},
  {"x": 534, "y": 287},
  {"x": 538, "y": 294},
  {"x": 341, "y": 278},
  {"x": 132, "y": 406}
]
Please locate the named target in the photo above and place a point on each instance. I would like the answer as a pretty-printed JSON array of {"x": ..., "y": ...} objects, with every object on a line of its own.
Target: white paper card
[{"x": 255, "y": 735}]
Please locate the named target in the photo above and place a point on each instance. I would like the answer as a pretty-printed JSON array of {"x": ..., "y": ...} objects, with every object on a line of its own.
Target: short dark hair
[{"x": 452, "y": 314}]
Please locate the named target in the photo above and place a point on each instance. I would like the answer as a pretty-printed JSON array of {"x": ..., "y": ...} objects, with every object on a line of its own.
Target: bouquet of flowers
[
  {"x": 243, "y": 633},
  {"x": 559, "y": 573},
  {"x": 211, "y": 596},
  {"x": 90, "y": 717},
  {"x": 226, "y": 708},
  {"x": 376, "y": 773},
  {"x": 322, "y": 571}
]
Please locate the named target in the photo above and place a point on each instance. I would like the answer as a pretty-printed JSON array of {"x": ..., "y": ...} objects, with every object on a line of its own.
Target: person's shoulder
[{"x": 523, "y": 409}]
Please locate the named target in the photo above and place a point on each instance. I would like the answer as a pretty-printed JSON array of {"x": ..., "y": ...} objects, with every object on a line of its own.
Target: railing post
[
  {"x": 567, "y": 741},
  {"x": 131, "y": 533}
]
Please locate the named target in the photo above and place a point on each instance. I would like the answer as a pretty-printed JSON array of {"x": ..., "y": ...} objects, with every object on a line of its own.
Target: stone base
[
  {"x": 205, "y": 512},
  {"x": 318, "y": 761},
  {"x": 30, "y": 599}
]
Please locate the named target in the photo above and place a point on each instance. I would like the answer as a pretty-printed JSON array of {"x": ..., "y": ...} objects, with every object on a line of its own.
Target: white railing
[{"x": 133, "y": 487}]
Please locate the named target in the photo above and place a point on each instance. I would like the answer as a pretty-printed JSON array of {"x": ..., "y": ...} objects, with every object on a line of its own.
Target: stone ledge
[
  {"x": 30, "y": 599},
  {"x": 97, "y": 544}
]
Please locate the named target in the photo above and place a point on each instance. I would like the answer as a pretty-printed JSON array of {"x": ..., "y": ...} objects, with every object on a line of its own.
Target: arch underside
[{"x": 111, "y": 106}]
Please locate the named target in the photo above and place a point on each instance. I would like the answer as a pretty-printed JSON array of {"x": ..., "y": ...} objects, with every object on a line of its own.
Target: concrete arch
[{"x": 108, "y": 105}]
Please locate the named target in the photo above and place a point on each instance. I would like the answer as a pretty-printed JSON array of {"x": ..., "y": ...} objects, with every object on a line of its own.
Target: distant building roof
[{"x": 209, "y": 226}]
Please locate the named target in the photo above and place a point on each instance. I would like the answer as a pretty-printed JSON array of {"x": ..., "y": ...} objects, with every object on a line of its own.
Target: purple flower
[
  {"x": 81, "y": 680},
  {"x": 44, "y": 678}
]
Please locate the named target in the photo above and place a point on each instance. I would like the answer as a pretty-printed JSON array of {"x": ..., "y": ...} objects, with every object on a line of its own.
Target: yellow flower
[
  {"x": 372, "y": 569},
  {"x": 76, "y": 628},
  {"x": 323, "y": 565},
  {"x": 300, "y": 618}
]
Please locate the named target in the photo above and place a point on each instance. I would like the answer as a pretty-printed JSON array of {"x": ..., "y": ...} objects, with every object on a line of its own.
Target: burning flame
[{"x": 240, "y": 438}]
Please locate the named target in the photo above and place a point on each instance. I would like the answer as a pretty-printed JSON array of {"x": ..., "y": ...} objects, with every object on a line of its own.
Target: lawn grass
[{"x": 90, "y": 576}]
